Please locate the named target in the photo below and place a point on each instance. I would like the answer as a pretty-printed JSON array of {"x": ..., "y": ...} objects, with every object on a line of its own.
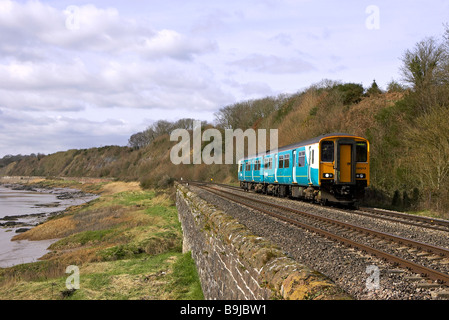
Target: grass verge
[{"x": 126, "y": 245}]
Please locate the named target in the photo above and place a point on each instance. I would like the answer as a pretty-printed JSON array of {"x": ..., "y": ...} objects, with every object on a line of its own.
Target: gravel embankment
[{"x": 348, "y": 268}]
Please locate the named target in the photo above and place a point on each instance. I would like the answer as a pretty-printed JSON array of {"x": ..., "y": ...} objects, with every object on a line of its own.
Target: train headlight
[
  {"x": 360, "y": 175},
  {"x": 328, "y": 175}
]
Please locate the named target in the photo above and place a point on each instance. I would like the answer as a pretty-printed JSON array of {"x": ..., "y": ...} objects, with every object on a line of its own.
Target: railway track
[
  {"x": 400, "y": 251},
  {"x": 388, "y": 215},
  {"x": 404, "y": 218}
]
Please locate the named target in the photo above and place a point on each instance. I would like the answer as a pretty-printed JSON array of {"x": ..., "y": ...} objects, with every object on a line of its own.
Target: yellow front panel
[{"x": 326, "y": 167}]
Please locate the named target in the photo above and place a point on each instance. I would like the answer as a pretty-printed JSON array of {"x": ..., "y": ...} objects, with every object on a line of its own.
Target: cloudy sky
[{"x": 76, "y": 74}]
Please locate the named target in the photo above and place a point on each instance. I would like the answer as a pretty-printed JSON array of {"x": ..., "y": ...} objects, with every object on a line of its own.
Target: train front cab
[{"x": 344, "y": 168}]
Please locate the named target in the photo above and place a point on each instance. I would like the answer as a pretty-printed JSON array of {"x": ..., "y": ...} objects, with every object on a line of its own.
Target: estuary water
[{"x": 23, "y": 209}]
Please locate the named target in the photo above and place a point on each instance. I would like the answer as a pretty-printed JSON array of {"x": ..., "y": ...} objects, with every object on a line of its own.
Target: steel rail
[
  {"x": 427, "y": 272},
  {"x": 436, "y": 224}
]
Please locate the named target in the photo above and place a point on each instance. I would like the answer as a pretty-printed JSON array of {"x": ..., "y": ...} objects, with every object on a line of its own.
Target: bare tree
[
  {"x": 424, "y": 69},
  {"x": 245, "y": 114},
  {"x": 157, "y": 129},
  {"x": 423, "y": 64},
  {"x": 139, "y": 140},
  {"x": 446, "y": 62}
]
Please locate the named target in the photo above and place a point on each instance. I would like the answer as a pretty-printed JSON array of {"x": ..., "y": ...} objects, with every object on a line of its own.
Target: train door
[
  {"x": 252, "y": 170},
  {"x": 240, "y": 171},
  {"x": 309, "y": 166},
  {"x": 345, "y": 163},
  {"x": 302, "y": 170},
  {"x": 294, "y": 166},
  {"x": 248, "y": 170},
  {"x": 287, "y": 166},
  {"x": 275, "y": 168}
]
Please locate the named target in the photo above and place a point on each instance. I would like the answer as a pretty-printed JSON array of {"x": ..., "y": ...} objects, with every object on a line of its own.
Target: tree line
[
  {"x": 159, "y": 128},
  {"x": 9, "y": 158}
]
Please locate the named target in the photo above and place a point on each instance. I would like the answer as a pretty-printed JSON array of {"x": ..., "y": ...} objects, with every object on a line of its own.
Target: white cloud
[
  {"x": 169, "y": 43},
  {"x": 107, "y": 67},
  {"x": 35, "y": 25},
  {"x": 107, "y": 61},
  {"x": 24, "y": 133},
  {"x": 42, "y": 75}
]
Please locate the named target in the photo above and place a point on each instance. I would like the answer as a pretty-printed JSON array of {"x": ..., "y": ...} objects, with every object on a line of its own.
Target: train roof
[{"x": 302, "y": 143}]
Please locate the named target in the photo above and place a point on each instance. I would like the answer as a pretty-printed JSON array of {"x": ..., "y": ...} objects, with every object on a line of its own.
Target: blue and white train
[{"x": 329, "y": 168}]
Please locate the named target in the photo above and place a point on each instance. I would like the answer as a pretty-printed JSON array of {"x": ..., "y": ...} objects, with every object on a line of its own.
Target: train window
[
  {"x": 327, "y": 151},
  {"x": 281, "y": 162},
  {"x": 301, "y": 158},
  {"x": 287, "y": 161},
  {"x": 361, "y": 152},
  {"x": 248, "y": 166},
  {"x": 257, "y": 165},
  {"x": 240, "y": 167},
  {"x": 268, "y": 163}
]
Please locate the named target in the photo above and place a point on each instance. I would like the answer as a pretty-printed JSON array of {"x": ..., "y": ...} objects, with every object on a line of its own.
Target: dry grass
[
  {"x": 162, "y": 199},
  {"x": 117, "y": 187},
  {"x": 53, "y": 229}
]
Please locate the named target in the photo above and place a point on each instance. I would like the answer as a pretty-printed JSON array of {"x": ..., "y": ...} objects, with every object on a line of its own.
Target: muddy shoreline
[
  {"x": 66, "y": 197},
  {"x": 16, "y": 246}
]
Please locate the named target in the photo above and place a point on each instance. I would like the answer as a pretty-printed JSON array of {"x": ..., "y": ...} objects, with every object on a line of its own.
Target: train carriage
[{"x": 329, "y": 168}]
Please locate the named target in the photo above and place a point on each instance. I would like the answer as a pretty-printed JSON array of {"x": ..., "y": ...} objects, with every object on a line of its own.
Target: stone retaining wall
[{"x": 235, "y": 264}]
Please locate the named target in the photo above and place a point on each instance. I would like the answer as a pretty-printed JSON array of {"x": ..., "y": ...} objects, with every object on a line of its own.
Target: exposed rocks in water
[
  {"x": 71, "y": 195},
  {"x": 21, "y": 222},
  {"x": 29, "y": 216},
  {"x": 21, "y": 187},
  {"x": 10, "y": 224},
  {"x": 47, "y": 205},
  {"x": 13, "y": 221}
]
